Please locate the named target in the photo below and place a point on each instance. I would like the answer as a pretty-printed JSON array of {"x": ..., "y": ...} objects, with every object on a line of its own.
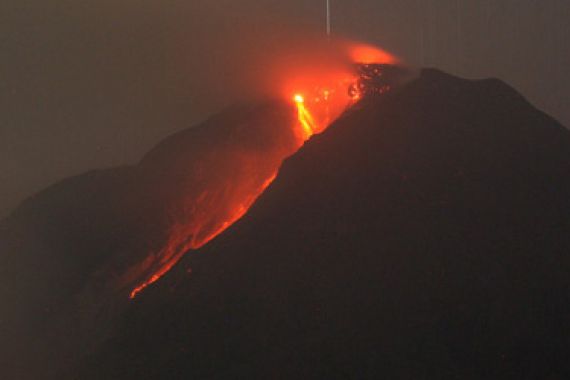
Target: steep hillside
[{"x": 425, "y": 234}]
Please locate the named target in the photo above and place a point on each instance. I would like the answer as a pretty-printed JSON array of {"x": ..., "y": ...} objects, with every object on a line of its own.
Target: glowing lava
[
  {"x": 321, "y": 92},
  {"x": 304, "y": 117},
  {"x": 319, "y": 105},
  {"x": 184, "y": 237}
]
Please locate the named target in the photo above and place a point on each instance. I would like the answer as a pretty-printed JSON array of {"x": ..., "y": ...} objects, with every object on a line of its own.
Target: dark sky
[{"x": 95, "y": 83}]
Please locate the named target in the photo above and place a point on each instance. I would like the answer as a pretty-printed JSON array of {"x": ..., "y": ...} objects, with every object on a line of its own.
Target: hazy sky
[{"x": 95, "y": 83}]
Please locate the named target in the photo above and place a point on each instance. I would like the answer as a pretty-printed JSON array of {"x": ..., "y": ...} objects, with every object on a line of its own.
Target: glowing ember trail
[
  {"x": 186, "y": 237},
  {"x": 180, "y": 244},
  {"x": 320, "y": 95},
  {"x": 305, "y": 118}
]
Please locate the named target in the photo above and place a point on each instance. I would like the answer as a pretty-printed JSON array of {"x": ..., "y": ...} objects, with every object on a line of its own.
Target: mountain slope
[
  {"x": 425, "y": 234},
  {"x": 72, "y": 254}
]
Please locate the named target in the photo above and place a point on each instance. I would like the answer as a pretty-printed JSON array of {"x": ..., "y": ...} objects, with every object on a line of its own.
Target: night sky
[{"x": 96, "y": 83}]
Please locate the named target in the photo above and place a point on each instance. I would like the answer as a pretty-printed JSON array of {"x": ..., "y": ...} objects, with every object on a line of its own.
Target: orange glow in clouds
[{"x": 363, "y": 53}]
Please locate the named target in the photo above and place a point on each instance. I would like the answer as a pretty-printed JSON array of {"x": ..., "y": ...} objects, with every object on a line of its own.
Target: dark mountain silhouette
[
  {"x": 72, "y": 254},
  {"x": 425, "y": 234}
]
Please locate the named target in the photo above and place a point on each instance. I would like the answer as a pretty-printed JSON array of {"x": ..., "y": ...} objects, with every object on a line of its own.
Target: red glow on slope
[
  {"x": 179, "y": 242},
  {"x": 319, "y": 88}
]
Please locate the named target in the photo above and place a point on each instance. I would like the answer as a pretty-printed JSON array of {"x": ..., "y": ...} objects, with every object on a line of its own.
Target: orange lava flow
[
  {"x": 319, "y": 105},
  {"x": 320, "y": 93},
  {"x": 200, "y": 230},
  {"x": 305, "y": 119},
  {"x": 179, "y": 243}
]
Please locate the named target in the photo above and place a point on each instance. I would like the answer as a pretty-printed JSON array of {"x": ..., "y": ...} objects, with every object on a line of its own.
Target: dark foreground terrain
[{"x": 424, "y": 235}]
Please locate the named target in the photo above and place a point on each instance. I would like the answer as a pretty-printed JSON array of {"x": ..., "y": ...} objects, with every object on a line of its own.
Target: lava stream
[
  {"x": 179, "y": 243},
  {"x": 213, "y": 212},
  {"x": 305, "y": 119},
  {"x": 320, "y": 95}
]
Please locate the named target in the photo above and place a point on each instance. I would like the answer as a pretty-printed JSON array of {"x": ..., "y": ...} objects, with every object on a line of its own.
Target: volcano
[{"x": 424, "y": 234}]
